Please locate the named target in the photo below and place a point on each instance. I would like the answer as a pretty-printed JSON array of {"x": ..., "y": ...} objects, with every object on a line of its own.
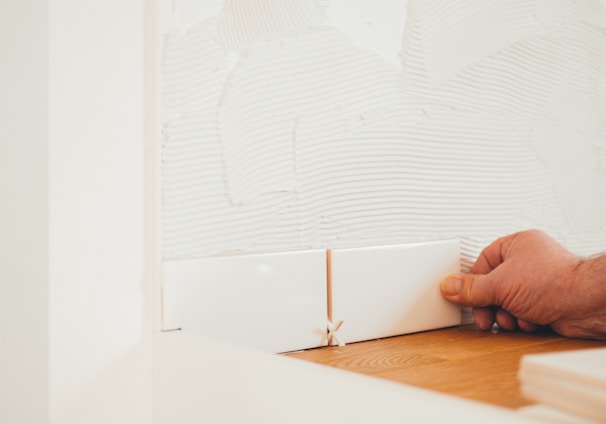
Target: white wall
[
  {"x": 100, "y": 327},
  {"x": 75, "y": 326},
  {"x": 24, "y": 225}
]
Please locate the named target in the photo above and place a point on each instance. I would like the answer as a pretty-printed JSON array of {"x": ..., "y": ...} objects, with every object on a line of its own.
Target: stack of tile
[{"x": 573, "y": 382}]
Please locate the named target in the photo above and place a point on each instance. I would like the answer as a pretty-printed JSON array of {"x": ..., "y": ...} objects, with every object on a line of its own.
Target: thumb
[{"x": 468, "y": 290}]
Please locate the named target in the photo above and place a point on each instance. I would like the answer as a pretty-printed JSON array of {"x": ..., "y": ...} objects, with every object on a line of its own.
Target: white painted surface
[
  {"x": 391, "y": 290},
  {"x": 273, "y": 302},
  {"x": 24, "y": 225},
  {"x": 75, "y": 343},
  {"x": 100, "y": 347},
  {"x": 193, "y": 386}
]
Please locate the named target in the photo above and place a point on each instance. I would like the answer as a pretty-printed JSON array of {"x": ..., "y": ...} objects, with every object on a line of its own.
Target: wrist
[
  {"x": 582, "y": 306},
  {"x": 592, "y": 270}
]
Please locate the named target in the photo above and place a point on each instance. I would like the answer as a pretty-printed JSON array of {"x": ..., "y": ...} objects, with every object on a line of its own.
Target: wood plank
[{"x": 461, "y": 361}]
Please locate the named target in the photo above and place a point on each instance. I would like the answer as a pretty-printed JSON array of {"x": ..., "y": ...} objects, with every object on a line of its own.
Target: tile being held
[{"x": 391, "y": 290}]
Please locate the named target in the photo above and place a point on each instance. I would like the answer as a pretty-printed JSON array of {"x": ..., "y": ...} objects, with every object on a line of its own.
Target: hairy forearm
[
  {"x": 585, "y": 306},
  {"x": 591, "y": 276},
  {"x": 527, "y": 279}
]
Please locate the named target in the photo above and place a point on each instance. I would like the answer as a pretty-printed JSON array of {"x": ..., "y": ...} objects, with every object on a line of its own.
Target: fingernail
[{"x": 451, "y": 285}]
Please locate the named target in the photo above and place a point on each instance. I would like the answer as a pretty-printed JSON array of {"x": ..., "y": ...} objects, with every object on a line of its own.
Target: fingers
[
  {"x": 505, "y": 320},
  {"x": 477, "y": 291},
  {"x": 469, "y": 290},
  {"x": 483, "y": 318},
  {"x": 526, "y": 326},
  {"x": 492, "y": 255}
]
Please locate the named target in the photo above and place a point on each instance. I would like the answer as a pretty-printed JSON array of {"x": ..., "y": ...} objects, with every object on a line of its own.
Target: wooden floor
[{"x": 461, "y": 361}]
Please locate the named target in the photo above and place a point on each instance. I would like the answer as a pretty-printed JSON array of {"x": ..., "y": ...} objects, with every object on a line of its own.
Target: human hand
[{"x": 526, "y": 280}]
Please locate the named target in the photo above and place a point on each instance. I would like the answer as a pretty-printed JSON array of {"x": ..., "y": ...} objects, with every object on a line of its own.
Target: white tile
[
  {"x": 391, "y": 290},
  {"x": 273, "y": 302},
  {"x": 546, "y": 414},
  {"x": 573, "y": 382}
]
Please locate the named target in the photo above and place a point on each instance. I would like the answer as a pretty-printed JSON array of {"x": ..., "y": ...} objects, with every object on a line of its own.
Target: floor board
[{"x": 461, "y": 361}]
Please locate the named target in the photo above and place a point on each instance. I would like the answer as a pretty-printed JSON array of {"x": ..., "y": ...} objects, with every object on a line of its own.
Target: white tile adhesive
[{"x": 282, "y": 132}]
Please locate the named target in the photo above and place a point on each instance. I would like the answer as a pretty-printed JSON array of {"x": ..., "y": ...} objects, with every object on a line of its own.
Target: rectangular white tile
[
  {"x": 273, "y": 302},
  {"x": 391, "y": 290}
]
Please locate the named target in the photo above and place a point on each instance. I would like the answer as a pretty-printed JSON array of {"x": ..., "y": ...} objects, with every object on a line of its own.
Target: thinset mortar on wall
[{"x": 280, "y": 132}]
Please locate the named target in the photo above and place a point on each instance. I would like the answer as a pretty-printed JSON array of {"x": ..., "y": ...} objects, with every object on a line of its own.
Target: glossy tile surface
[
  {"x": 273, "y": 302},
  {"x": 390, "y": 290}
]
